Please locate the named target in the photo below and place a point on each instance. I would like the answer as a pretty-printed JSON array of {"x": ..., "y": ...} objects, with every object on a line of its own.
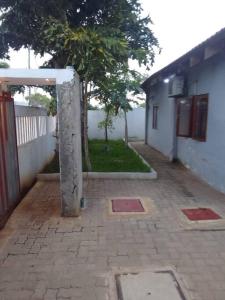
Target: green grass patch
[{"x": 113, "y": 156}]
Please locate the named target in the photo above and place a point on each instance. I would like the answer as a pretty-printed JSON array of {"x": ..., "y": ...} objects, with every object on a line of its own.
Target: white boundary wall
[
  {"x": 35, "y": 140},
  {"x": 135, "y": 119}
]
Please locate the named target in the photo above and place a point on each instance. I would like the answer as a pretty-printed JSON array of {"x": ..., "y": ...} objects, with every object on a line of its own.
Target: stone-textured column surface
[{"x": 70, "y": 146}]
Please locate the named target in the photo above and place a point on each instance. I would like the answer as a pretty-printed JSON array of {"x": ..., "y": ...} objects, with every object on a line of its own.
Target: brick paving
[{"x": 44, "y": 256}]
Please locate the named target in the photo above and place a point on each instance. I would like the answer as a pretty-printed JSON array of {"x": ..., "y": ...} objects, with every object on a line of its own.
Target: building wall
[
  {"x": 207, "y": 159},
  {"x": 161, "y": 138},
  {"x": 135, "y": 119},
  {"x": 35, "y": 140}
]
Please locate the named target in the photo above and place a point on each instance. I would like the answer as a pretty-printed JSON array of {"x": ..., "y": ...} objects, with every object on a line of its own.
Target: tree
[
  {"x": 22, "y": 24},
  {"x": 142, "y": 105},
  {"x": 118, "y": 93},
  {"x": 48, "y": 103},
  {"x": 92, "y": 107},
  {"x": 4, "y": 65},
  {"x": 107, "y": 123},
  {"x": 96, "y": 37}
]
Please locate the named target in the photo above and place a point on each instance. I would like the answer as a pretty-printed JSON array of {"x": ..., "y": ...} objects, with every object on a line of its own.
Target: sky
[{"x": 179, "y": 26}]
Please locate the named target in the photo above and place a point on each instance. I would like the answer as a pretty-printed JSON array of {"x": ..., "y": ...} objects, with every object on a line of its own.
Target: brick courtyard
[{"x": 46, "y": 257}]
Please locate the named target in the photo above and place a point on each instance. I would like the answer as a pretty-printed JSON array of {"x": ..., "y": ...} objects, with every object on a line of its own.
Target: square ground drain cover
[
  {"x": 127, "y": 205},
  {"x": 161, "y": 285},
  {"x": 200, "y": 214}
]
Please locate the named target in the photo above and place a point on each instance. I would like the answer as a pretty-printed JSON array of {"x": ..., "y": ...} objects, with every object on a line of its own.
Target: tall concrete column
[{"x": 68, "y": 94}]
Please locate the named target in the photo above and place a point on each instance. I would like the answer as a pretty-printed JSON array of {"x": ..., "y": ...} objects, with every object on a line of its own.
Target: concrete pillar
[{"x": 70, "y": 146}]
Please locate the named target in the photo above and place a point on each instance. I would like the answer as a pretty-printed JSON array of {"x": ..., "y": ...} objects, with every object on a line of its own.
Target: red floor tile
[
  {"x": 127, "y": 205},
  {"x": 200, "y": 214}
]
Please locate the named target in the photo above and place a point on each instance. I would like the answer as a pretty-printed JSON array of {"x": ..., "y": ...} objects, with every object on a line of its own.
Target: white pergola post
[
  {"x": 70, "y": 146},
  {"x": 68, "y": 94}
]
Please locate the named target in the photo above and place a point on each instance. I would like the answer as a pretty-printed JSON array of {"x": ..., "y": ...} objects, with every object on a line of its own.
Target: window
[
  {"x": 200, "y": 113},
  {"x": 192, "y": 117},
  {"x": 184, "y": 109},
  {"x": 155, "y": 117}
]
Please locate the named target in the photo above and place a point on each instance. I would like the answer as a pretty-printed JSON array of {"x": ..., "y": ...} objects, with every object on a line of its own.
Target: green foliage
[
  {"x": 113, "y": 92},
  {"x": 38, "y": 99},
  {"x": 47, "y": 25},
  {"x": 44, "y": 101},
  {"x": 96, "y": 52},
  {"x": 97, "y": 38},
  {"x": 17, "y": 89},
  {"x": 118, "y": 89},
  {"x": 4, "y": 65},
  {"x": 142, "y": 105},
  {"x": 108, "y": 120},
  {"x": 92, "y": 107},
  {"x": 52, "y": 109}
]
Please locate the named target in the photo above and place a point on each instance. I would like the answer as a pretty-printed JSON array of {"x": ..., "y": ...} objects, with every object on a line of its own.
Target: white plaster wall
[
  {"x": 207, "y": 159},
  {"x": 161, "y": 138},
  {"x": 36, "y": 153},
  {"x": 135, "y": 119},
  {"x": 33, "y": 157}
]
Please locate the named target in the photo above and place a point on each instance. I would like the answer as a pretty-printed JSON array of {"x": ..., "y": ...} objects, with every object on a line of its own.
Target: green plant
[
  {"x": 107, "y": 123},
  {"x": 48, "y": 103},
  {"x": 96, "y": 37}
]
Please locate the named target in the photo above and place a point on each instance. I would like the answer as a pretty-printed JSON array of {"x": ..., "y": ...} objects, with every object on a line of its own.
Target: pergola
[{"x": 68, "y": 95}]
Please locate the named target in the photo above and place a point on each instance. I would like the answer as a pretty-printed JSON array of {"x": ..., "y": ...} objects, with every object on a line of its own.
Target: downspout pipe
[
  {"x": 146, "y": 118},
  {"x": 175, "y": 146},
  {"x": 175, "y": 137}
]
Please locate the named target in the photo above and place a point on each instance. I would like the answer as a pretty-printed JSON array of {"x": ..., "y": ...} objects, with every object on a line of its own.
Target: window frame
[
  {"x": 155, "y": 110},
  {"x": 178, "y": 106},
  {"x": 194, "y": 117}
]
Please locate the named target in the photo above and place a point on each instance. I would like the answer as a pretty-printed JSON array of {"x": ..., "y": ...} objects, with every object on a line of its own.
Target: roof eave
[{"x": 179, "y": 64}]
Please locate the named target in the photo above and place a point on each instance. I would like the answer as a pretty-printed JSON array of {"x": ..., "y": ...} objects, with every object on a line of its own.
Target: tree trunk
[
  {"x": 106, "y": 126},
  {"x": 85, "y": 127},
  {"x": 82, "y": 115},
  {"x": 126, "y": 127}
]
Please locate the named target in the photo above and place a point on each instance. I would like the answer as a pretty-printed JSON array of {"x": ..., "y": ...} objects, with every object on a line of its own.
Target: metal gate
[{"x": 9, "y": 169}]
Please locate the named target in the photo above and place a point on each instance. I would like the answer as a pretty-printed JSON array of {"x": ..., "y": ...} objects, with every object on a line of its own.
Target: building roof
[{"x": 217, "y": 41}]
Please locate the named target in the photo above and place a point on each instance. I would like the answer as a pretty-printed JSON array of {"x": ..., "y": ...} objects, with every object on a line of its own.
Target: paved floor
[{"x": 44, "y": 256}]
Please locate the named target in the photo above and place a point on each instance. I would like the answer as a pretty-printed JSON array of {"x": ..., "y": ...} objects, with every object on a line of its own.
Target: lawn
[{"x": 113, "y": 156}]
